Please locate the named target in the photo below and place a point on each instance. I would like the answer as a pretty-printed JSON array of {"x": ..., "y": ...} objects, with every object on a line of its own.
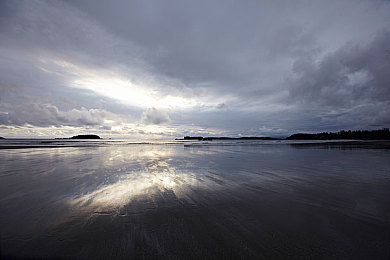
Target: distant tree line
[
  {"x": 201, "y": 138},
  {"x": 382, "y": 134}
]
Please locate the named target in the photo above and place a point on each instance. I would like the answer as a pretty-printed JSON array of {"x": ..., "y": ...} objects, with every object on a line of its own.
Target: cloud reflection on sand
[
  {"x": 116, "y": 195},
  {"x": 141, "y": 171}
]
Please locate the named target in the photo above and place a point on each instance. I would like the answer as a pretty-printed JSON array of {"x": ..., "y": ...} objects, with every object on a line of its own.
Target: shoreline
[{"x": 374, "y": 144}]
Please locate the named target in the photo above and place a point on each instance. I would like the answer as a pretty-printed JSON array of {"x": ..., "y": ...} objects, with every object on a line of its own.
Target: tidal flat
[{"x": 195, "y": 200}]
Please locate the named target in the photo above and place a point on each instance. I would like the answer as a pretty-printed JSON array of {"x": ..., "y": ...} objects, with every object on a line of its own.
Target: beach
[{"x": 194, "y": 200}]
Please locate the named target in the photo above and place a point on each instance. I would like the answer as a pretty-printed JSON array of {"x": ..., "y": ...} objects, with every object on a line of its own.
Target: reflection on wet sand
[
  {"x": 120, "y": 193},
  {"x": 154, "y": 174},
  {"x": 195, "y": 202}
]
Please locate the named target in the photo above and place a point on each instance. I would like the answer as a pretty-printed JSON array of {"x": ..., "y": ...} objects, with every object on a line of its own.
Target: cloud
[
  {"x": 350, "y": 75},
  {"x": 351, "y": 83},
  {"x": 105, "y": 127},
  {"x": 221, "y": 106},
  {"x": 49, "y": 115},
  {"x": 244, "y": 67},
  {"x": 243, "y": 46},
  {"x": 155, "y": 116}
]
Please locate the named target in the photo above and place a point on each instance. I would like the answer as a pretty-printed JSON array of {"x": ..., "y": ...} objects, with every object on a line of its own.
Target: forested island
[
  {"x": 200, "y": 138},
  {"x": 83, "y": 137},
  {"x": 382, "y": 134}
]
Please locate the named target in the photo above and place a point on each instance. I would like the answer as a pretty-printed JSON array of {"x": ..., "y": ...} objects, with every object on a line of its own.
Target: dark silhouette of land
[
  {"x": 2, "y": 137},
  {"x": 85, "y": 137},
  {"x": 82, "y": 137},
  {"x": 200, "y": 138},
  {"x": 382, "y": 134}
]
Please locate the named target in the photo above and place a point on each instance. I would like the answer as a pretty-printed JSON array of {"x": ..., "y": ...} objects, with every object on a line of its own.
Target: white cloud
[
  {"x": 155, "y": 116},
  {"x": 49, "y": 115}
]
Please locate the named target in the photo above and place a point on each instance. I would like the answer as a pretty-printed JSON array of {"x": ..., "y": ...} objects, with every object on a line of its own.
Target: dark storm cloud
[
  {"x": 346, "y": 77},
  {"x": 352, "y": 83},
  {"x": 248, "y": 67},
  {"x": 55, "y": 29},
  {"x": 248, "y": 45},
  {"x": 207, "y": 44}
]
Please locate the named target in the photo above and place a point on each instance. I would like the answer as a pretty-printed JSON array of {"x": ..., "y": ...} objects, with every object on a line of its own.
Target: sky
[{"x": 166, "y": 69}]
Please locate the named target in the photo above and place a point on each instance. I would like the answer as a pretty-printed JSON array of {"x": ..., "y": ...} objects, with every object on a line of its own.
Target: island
[
  {"x": 2, "y": 137},
  {"x": 382, "y": 134},
  {"x": 201, "y": 138},
  {"x": 85, "y": 137},
  {"x": 80, "y": 137}
]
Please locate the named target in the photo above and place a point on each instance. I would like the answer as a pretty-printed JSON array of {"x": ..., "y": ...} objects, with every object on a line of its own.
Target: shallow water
[{"x": 196, "y": 200}]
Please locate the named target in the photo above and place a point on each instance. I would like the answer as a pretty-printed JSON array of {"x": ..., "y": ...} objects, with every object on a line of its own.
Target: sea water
[{"x": 121, "y": 199}]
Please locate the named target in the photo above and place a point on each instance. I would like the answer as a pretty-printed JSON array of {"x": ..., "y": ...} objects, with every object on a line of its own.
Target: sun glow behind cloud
[
  {"x": 129, "y": 93},
  {"x": 119, "y": 87}
]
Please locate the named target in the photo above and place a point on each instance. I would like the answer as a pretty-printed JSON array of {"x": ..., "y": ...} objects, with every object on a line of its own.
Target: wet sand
[{"x": 196, "y": 201}]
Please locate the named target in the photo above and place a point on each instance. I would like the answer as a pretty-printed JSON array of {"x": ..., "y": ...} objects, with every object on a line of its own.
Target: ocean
[{"x": 172, "y": 199}]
